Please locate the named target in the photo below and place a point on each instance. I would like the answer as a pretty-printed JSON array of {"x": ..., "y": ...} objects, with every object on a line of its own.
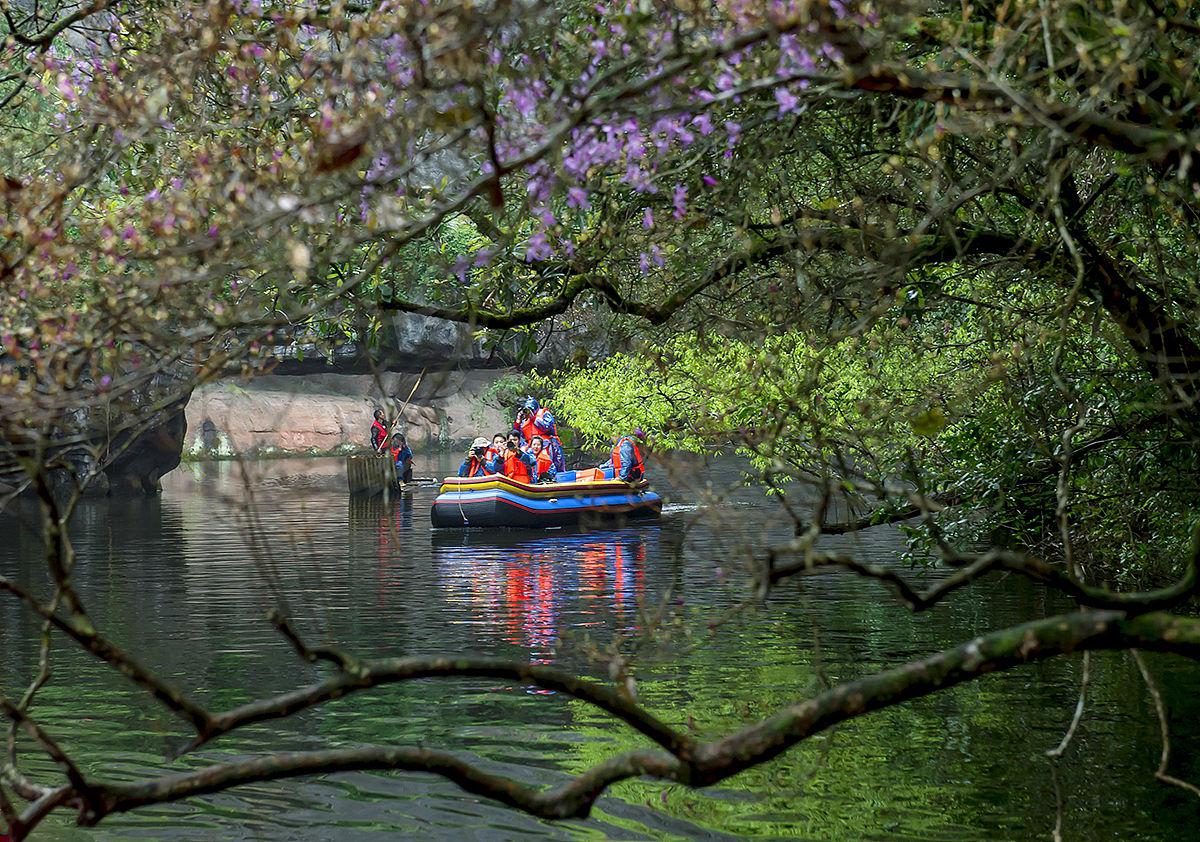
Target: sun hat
[{"x": 480, "y": 441}]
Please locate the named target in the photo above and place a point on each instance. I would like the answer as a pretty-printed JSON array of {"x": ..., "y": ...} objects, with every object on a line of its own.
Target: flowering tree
[{"x": 1005, "y": 190}]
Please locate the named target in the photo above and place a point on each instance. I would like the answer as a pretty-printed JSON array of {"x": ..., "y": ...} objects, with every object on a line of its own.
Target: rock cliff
[{"x": 331, "y": 412}]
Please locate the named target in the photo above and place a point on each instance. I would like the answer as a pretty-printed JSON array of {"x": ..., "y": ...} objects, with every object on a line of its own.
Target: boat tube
[{"x": 575, "y": 497}]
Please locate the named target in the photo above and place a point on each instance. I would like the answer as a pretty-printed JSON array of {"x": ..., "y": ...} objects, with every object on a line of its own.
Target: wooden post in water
[{"x": 369, "y": 475}]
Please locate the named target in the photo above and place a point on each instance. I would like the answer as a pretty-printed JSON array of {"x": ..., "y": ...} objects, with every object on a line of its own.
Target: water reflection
[
  {"x": 516, "y": 584},
  {"x": 184, "y": 581}
]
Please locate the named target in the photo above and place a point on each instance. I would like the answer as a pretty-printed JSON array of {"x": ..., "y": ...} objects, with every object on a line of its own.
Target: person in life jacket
[
  {"x": 545, "y": 465},
  {"x": 477, "y": 464},
  {"x": 402, "y": 457},
  {"x": 627, "y": 461},
  {"x": 493, "y": 452},
  {"x": 516, "y": 463},
  {"x": 379, "y": 434},
  {"x": 533, "y": 419}
]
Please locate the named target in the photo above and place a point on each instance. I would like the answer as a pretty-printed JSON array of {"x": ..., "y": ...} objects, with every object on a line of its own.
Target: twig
[
  {"x": 79, "y": 783},
  {"x": 1160, "y": 708},
  {"x": 1057, "y": 751}
]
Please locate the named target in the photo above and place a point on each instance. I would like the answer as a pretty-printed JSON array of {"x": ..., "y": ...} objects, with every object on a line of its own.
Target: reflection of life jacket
[
  {"x": 378, "y": 434},
  {"x": 475, "y": 467},
  {"x": 514, "y": 468},
  {"x": 638, "y": 469}
]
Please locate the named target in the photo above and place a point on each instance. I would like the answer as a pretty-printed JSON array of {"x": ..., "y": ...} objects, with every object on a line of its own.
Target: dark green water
[{"x": 178, "y": 582}]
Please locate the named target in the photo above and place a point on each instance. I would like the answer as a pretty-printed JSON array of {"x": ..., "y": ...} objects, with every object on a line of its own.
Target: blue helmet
[{"x": 531, "y": 404}]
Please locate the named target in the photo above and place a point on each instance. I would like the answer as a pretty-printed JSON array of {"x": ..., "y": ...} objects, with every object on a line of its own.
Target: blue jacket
[
  {"x": 627, "y": 459},
  {"x": 404, "y": 456}
]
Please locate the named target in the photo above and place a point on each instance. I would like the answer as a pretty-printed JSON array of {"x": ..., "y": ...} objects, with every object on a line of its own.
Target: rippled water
[{"x": 184, "y": 581}]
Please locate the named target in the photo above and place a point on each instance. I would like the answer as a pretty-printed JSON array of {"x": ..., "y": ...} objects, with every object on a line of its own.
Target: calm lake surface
[{"x": 184, "y": 582}]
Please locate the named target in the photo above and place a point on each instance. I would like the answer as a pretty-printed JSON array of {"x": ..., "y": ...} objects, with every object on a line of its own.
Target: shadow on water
[{"x": 185, "y": 581}]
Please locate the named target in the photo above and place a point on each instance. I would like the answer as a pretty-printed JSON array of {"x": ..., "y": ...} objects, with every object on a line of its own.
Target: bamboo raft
[{"x": 370, "y": 475}]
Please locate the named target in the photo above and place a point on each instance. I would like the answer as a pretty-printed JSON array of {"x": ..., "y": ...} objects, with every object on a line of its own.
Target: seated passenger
[
  {"x": 545, "y": 465},
  {"x": 627, "y": 462},
  {"x": 516, "y": 463},
  {"x": 402, "y": 457},
  {"x": 477, "y": 464},
  {"x": 497, "y": 447}
]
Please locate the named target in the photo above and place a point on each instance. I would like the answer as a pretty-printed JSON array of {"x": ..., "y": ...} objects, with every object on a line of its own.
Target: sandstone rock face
[{"x": 331, "y": 413}]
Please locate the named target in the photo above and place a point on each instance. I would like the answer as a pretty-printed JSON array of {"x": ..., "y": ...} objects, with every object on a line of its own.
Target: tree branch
[{"x": 376, "y": 673}]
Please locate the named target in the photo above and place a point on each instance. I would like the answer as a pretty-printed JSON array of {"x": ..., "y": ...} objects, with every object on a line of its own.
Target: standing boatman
[{"x": 379, "y": 434}]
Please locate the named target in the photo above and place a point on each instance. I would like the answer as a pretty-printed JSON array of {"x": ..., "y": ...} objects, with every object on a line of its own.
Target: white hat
[{"x": 480, "y": 441}]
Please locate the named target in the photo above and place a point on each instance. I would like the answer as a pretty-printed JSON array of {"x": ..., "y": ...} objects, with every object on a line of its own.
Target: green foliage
[{"x": 968, "y": 402}]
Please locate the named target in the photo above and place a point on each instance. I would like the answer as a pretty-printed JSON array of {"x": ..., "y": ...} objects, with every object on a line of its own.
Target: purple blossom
[
  {"x": 703, "y": 124},
  {"x": 577, "y": 197},
  {"x": 787, "y": 101},
  {"x": 653, "y": 258},
  {"x": 66, "y": 89},
  {"x": 538, "y": 248},
  {"x": 639, "y": 179},
  {"x": 462, "y": 263},
  {"x": 545, "y": 216},
  {"x": 647, "y": 219},
  {"x": 709, "y": 180},
  {"x": 679, "y": 200}
]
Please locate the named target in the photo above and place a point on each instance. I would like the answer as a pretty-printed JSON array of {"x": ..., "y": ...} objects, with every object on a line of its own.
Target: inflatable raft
[{"x": 577, "y": 497}]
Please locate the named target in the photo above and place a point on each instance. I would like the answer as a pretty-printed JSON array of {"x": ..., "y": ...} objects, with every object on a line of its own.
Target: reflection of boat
[
  {"x": 524, "y": 588},
  {"x": 499, "y": 501}
]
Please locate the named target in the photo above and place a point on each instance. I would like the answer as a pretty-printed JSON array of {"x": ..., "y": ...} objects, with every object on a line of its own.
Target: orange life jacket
[
  {"x": 544, "y": 462},
  {"x": 530, "y": 429},
  {"x": 639, "y": 466},
  {"x": 514, "y": 468},
  {"x": 475, "y": 467}
]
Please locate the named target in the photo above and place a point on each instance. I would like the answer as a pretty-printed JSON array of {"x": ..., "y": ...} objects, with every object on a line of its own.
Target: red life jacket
[
  {"x": 491, "y": 453},
  {"x": 378, "y": 434},
  {"x": 475, "y": 467},
  {"x": 544, "y": 462},
  {"x": 639, "y": 466},
  {"x": 514, "y": 468}
]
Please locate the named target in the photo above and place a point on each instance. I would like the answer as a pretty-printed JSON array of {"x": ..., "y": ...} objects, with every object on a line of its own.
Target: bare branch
[{"x": 1160, "y": 710}]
